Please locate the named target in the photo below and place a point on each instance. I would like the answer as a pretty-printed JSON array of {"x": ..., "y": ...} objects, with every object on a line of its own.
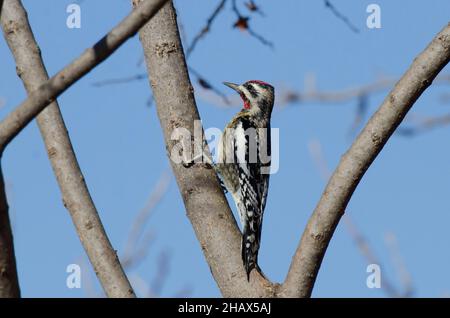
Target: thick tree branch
[
  {"x": 76, "y": 197},
  {"x": 51, "y": 89},
  {"x": 355, "y": 162},
  {"x": 9, "y": 282},
  {"x": 358, "y": 238},
  {"x": 206, "y": 205}
]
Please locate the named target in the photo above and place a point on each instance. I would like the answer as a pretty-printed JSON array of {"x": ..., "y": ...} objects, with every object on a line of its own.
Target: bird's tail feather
[{"x": 250, "y": 248}]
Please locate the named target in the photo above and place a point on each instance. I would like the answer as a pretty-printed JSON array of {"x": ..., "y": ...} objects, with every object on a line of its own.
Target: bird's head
[{"x": 258, "y": 96}]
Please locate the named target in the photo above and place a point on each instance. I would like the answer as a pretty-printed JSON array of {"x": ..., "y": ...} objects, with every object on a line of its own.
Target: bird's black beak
[{"x": 233, "y": 86}]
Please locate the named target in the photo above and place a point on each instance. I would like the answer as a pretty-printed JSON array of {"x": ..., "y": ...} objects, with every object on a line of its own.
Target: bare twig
[
  {"x": 319, "y": 231},
  {"x": 132, "y": 253},
  {"x": 417, "y": 125},
  {"x": 206, "y": 205},
  {"x": 366, "y": 251},
  {"x": 311, "y": 94},
  {"x": 162, "y": 273},
  {"x": 76, "y": 197},
  {"x": 242, "y": 24},
  {"x": 205, "y": 30},
  {"x": 260, "y": 38},
  {"x": 205, "y": 84},
  {"x": 121, "y": 80},
  {"x": 361, "y": 94},
  {"x": 252, "y": 7},
  {"x": 201, "y": 81},
  {"x": 397, "y": 260},
  {"x": 185, "y": 292},
  {"x": 92, "y": 57},
  {"x": 340, "y": 16}
]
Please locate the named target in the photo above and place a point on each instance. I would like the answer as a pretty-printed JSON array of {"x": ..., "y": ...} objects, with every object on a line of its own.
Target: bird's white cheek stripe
[{"x": 247, "y": 95}]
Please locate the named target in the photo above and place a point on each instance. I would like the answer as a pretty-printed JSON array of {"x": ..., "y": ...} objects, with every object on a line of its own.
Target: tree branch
[
  {"x": 76, "y": 197},
  {"x": 9, "y": 281},
  {"x": 358, "y": 238},
  {"x": 51, "y": 89},
  {"x": 206, "y": 205},
  {"x": 355, "y": 162}
]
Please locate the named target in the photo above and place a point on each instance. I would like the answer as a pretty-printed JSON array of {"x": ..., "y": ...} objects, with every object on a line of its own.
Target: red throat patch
[{"x": 246, "y": 102}]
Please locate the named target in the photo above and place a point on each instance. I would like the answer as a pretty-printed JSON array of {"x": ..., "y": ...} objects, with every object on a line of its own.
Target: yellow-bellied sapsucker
[{"x": 243, "y": 162}]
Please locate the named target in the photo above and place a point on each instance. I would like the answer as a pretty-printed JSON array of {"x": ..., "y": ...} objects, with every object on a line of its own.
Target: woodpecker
[{"x": 243, "y": 163}]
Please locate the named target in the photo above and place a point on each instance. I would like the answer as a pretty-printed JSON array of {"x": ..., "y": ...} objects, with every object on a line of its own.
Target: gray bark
[
  {"x": 206, "y": 205},
  {"x": 355, "y": 162},
  {"x": 9, "y": 281},
  {"x": 76, "y": 197},
  {"x": 59, "y": 147}
]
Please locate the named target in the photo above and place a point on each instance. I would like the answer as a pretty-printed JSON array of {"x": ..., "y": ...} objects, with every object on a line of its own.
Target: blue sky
[{"x": 119, "y": 145}]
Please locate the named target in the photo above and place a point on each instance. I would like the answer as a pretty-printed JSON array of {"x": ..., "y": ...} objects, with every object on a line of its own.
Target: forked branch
[
  {"x": 75, "y": 194},
  {"x": 355, "y": 162},
  {"x": 56, "y": 85}
]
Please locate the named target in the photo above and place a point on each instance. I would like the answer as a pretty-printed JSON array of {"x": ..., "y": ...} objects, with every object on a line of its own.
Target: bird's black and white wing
[{"x": 253, "y": 188}]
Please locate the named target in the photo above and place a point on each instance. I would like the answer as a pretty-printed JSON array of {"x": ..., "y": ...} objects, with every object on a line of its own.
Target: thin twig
[
  {"x": 251, "y": 5},
  {"x": 423, "y": 125},
  {"x": 260, "y": 38},
  {"x": 142, "y": 218},
  {"x": 340, "y": 16},
  {"x": 121, "y": 80},
  {"x": 205, "y": 84},
  {"x": 363, "y": 245},
  {"x": 397, "y": 260},
  {"x": 311, "y": 94},
  {"x": 242, "y": 24},
  {"x": 201, "y": 80},
  {"x": 162, "y": 273},
  {"x": 360, "y": 241},
  {"x": 206, "y": 29}
]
